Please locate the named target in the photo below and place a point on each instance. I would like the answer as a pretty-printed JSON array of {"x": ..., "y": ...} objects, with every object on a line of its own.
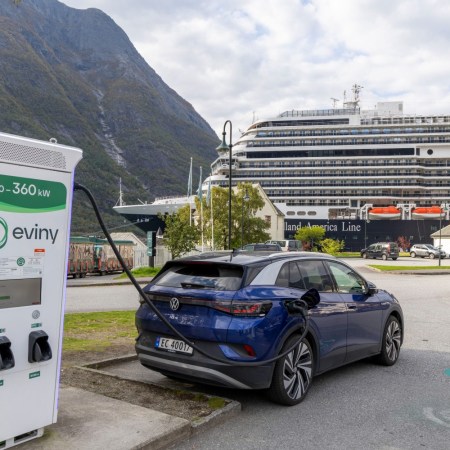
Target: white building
[
  {"x": 271, "y": 214},
  {"x": 140, "y": 249},
  {"x": 442, "y": 237}
]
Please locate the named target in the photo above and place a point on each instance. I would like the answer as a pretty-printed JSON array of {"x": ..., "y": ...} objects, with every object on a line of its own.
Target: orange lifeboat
[
  {"x": 427, "y": 212},
  {"x": 385, "y": 212}
]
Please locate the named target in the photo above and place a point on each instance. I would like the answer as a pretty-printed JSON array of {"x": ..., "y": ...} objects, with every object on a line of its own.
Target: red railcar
[{"x": 94, "y": 255}]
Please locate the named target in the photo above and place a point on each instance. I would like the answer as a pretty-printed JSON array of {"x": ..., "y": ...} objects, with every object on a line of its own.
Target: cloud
[{"x": 240, "y": 59}]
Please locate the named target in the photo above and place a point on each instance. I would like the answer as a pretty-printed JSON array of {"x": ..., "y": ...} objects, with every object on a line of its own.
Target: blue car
[{"x": 264, "y": 321}]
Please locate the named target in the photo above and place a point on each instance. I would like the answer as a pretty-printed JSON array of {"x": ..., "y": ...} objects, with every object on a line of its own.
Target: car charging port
[{"x": 296, "y": 307}]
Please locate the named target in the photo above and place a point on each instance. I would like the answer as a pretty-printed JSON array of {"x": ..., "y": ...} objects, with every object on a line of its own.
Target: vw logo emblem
[{"x": 174, "y": 304}]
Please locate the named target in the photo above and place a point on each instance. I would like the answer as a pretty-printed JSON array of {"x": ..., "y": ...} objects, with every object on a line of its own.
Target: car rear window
[{"x": 219, "y": 277}]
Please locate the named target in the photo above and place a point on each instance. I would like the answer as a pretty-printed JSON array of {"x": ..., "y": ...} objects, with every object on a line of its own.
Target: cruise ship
[
  {"x": 148, "y": 216},
  {"x": 363, "y": 175}
]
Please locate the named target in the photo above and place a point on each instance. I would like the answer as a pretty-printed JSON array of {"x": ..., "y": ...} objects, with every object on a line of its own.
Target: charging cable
[{"x": 300, "y": 305}]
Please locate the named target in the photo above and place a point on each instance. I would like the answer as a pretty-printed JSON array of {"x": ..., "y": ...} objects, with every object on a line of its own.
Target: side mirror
[
  {"x": 371, "y": 289},
  {"x": 311, "y": 298}
]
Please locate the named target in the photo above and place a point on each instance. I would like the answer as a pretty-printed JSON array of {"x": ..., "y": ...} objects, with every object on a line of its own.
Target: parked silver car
[{"x": 426, "y": 251}]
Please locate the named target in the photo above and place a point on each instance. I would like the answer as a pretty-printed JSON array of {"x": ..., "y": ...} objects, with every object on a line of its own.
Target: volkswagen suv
[{"x": 264, "y": 321}]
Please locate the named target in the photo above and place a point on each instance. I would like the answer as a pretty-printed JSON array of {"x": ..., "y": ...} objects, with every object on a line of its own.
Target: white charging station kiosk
[{"x": 36, "y": 185}]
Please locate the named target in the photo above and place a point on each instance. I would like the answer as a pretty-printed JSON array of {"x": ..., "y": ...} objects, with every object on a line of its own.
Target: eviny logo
[
  {"x": 33, "y": 233},
  {"x": 3, "y": 232}
]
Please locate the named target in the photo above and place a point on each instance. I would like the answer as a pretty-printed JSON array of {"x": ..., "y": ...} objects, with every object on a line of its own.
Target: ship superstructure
[{"x": 345, "y": 162}]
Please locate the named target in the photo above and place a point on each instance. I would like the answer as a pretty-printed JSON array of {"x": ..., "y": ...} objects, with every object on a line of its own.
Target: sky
[{"x": 243, "y": 60}]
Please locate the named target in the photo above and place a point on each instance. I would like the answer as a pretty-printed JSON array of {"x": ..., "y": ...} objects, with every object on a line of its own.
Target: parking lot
[{"x": 362, "y": 405}]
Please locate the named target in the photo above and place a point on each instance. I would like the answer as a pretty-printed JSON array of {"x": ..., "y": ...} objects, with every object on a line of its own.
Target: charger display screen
[{"x": 22, "y": 292}]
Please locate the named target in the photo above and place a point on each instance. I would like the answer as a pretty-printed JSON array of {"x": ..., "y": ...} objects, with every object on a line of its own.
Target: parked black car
[{"x": 383, "y": 250}]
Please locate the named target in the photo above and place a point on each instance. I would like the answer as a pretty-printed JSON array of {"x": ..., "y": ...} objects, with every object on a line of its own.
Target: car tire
[
  {"x": 413, "y": 255},
  {"x": 384, "y": 257},
  {"x": 364, "y": 255},
  {"x": 293, "y": 373},
  {"x": 431, "y": 256},
  {"x": 391, "y": 342}
]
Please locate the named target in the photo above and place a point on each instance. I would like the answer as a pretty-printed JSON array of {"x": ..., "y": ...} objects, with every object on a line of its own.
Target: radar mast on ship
[{"x": 354, "y": 103}]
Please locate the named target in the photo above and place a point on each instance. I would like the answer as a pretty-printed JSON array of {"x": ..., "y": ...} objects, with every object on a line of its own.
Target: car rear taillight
[
  {"x": 249, "y": 349},
  {"x": 243, "y": 309}
]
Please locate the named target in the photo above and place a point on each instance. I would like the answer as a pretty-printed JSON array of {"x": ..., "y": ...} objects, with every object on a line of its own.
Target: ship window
[
  {"x": 429, "y": 151},
  {"x": 290, "y": 213},
  {"x": 312, "y": 213},
  {"x": 301, "y": 213}
]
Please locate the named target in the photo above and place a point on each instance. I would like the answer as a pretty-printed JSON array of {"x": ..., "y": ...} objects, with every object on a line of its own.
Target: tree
[
  {"x": 404, "y": 243},
  {"x": 332, "y": 246},
  {"x": 244, "y": 225},
  {"x": 180, "y": 236},
  {"x": 310, "y": 236}
]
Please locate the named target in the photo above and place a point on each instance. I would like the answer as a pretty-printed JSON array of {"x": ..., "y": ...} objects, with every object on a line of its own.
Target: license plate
[{"x": 173, "y": 345}]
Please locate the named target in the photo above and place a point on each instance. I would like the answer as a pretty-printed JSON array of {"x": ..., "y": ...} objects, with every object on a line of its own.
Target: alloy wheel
[
  {"x": 393, "y": 340},
  {"x": 297, "y": 371}
]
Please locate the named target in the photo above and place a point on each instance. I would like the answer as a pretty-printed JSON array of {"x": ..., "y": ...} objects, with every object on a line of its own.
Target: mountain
[{"x": 75, "y": 76}]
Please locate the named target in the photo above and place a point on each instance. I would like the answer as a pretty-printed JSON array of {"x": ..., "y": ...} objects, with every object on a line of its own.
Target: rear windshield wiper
[{"x": 196, "y": 285}]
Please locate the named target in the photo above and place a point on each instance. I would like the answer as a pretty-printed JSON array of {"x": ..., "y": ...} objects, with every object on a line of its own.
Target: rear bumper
[{"x": 201, "y": 369}]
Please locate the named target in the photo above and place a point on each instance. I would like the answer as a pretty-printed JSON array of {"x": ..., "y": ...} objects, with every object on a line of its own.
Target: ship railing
[
  {"x": 171, "y": 197},
  {"x": 320, "y": 112}
]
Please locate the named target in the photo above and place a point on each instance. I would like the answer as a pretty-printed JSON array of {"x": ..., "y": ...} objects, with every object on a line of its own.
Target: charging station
[{"x": 36, "y": 189}]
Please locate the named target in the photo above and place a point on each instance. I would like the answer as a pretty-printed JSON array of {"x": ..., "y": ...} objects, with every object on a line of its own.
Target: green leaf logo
[
  {"x": 20, "y": 261},
  {"x": 3, "y": 232}
]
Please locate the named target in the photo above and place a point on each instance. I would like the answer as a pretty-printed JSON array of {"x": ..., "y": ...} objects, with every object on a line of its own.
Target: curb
[
  {"x": 126, "y": 281},
  {"x": 231, "y": 409}
]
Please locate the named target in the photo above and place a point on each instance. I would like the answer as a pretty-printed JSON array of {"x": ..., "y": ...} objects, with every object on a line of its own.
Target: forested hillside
[{"x": 75, "y": 76}]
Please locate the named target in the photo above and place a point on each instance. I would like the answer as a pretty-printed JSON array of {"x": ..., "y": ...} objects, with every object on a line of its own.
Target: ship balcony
[{"x": 224, "y": 168}]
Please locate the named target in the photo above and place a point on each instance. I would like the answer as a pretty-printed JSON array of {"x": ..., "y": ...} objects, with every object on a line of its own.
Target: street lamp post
[
  {"x": 222, "y": 148},
  {"x": 440, "y": 234},
  {"x": 365, "y": 232},
  {"x": 245, "y": 199}
]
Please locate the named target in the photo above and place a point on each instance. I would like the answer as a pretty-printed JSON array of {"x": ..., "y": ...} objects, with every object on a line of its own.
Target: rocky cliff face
[{"x": 74, "y": 75}]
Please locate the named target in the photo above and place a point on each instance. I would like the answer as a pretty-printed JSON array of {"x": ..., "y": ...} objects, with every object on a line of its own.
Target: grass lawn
[
  {"x": 97, "y": 331},
  {"x": 142, "y": 272}
]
